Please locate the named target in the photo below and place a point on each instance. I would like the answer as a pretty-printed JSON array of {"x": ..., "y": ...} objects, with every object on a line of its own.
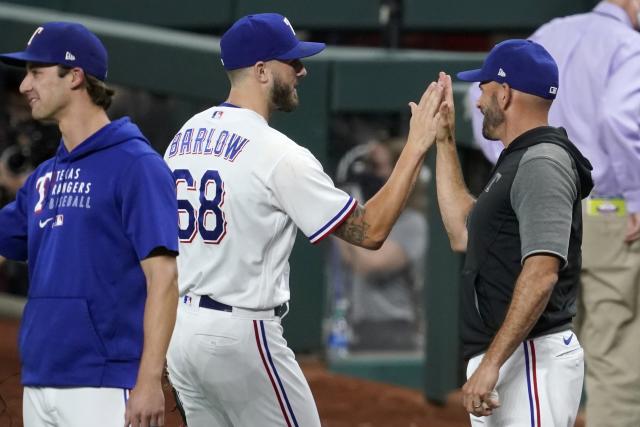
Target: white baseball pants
[
  {"x": 540, "y": 385},
  {"x": 235, "y": 369},
  {"x": 74, "y": 407}
]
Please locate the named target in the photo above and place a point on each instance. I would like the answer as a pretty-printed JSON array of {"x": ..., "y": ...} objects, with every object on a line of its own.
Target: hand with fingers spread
[
  {"x": 479, "y": 397},
  {"x": 145, "y": 407},
  {"x": 446, "y": 117},
  {"x": 423, "y": 123}
]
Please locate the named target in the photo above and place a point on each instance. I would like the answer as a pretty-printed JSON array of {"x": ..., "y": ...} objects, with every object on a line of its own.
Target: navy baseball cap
[
  {"x": 263, "y": 37},
  {"x": 63, "y": 43},
  {"x": 523, "y": 64}
]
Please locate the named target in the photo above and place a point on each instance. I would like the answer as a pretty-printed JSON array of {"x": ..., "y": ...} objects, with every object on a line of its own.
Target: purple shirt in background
[{"x": 598, "y": 102}]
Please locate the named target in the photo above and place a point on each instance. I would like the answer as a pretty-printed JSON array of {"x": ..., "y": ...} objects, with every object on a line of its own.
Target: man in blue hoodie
[{"x": 98, "y": 227}]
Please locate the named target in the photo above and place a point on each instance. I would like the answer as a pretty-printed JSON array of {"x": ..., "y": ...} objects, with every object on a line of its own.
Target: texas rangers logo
[
  {"x": 41, "y": 185},
  {"x": 286, "y": 21},
  {"x": 64, "y": 190},
  {"x": 35, "y": 33}
]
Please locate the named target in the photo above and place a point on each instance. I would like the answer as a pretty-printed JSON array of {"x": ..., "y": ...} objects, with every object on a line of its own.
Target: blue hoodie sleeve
[
  {"x": 149, "y": 206},
  {"x": 13, "y": 228}
]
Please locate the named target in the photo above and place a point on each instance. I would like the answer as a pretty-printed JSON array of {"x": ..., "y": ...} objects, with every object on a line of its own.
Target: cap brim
[
  {"x": 471, "y": 76},
  {"x": 21, "y": 58},
  {"x": 302, "y": 50}
]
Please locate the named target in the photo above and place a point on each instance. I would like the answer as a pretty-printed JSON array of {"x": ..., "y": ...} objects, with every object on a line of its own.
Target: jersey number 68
[{"x": 208, "y": 219}]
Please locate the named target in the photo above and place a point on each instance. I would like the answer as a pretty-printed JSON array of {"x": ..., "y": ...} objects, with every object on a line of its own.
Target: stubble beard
[
  {"x": 283, "y": 97},
  {"x": 493, "y": 117}
]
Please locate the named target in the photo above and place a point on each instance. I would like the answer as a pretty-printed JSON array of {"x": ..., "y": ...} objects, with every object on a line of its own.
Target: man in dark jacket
[{"x": 522, "y": 237}]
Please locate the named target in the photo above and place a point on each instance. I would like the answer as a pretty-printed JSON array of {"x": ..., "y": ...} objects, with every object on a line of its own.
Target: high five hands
[
  {"x": 446, "y": 116},
  {"x": 433, "y": 118}
]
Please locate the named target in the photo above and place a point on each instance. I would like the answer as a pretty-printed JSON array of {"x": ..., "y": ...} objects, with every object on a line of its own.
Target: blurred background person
[
  {"x": 15, "y": 167},
  {"x": 598, "y": 55},
  {"x": 384, "y": 287},
  {"x": 24, "y": 144}
]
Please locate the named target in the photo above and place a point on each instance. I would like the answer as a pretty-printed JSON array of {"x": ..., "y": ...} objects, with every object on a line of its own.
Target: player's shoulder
[
  {"x": 549, "y": 151},
  {"x": 126, "y": 140},
  {"x": 277, "y": 144},
  {"x": 544, "y": 160},
  {"x": 294, "y": 153},
  {"x": 135, "y": 155},
  {"x": 135, "y": 152},
  {"x": 274, "y": 136}
]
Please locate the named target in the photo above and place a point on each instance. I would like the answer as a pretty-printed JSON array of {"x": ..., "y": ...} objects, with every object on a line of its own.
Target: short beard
[
  {"x": 493, "y": 117},
  {"x": 283, "y": 97}
]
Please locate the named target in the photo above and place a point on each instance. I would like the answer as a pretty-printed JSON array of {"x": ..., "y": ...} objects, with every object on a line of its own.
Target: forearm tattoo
[{"x": 354, "y": 229}]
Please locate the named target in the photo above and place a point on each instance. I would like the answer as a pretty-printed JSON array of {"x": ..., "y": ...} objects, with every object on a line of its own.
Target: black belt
[{"x": 208, "y": 302}]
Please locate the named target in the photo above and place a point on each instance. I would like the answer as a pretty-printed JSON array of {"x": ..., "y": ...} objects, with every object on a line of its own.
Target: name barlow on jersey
[{"x": 227, "y": 144}]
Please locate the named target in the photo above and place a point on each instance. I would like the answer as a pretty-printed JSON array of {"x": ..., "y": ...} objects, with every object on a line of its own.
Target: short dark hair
[{"x": 98, "y": 91}]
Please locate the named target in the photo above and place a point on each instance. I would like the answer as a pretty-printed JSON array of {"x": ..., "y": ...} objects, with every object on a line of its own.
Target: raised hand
[
  {"x": 423, "y": 123},
  {"x": 446, "y": 116}
]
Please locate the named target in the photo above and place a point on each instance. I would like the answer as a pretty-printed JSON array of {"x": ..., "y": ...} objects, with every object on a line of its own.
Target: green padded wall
[
  {"x": 430, "y": 15},
  {"x": 351, "y": 14}
]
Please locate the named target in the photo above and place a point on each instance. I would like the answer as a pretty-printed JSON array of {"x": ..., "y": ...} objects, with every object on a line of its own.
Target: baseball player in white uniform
[{"x": 243, "y": 190}]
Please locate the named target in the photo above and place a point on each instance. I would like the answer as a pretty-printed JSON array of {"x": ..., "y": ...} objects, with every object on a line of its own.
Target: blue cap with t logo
[
  {"x": 523, "y": 64},
  {"x": 63, "y": 43},
  {"x": 263, "y": 37}
]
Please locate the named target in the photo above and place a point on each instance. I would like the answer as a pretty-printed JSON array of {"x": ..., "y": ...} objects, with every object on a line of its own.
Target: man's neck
[
  {"x": 251, "y": 100},
  {"x": 522, "y": 120},
  {"x": 80, "y": 123}
]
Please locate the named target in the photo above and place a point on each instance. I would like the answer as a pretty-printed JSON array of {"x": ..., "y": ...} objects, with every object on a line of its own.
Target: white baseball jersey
[{"x": 243, "y": 190}]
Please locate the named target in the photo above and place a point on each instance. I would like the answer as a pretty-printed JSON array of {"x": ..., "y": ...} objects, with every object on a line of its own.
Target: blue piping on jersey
[{"x": 330, "y": 223}]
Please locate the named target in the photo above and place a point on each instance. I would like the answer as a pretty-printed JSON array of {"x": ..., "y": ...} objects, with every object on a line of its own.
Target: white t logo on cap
[
  {"x": 286, "y": 21},
  {"x": 35, "y": 33}
]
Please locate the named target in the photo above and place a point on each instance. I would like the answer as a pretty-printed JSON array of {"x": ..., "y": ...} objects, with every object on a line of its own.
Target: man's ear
[
  {"x": 261, "y": 72},
  {"x": 77, "y": 78},
  {"x": 506, "y": 96}
]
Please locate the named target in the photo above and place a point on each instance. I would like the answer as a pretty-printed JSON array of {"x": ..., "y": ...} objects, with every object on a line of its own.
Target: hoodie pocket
[{"x": 58, "y": 335}]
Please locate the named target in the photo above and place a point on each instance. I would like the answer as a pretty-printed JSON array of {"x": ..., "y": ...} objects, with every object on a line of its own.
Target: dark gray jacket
[{"x": 532, "y": 204}]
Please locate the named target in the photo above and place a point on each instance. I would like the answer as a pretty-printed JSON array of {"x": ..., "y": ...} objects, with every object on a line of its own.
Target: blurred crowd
[{"x": 24, "y": 144}]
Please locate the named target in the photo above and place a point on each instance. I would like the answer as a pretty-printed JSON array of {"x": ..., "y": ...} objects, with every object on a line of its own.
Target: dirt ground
[{"x": 342, "y": 401}]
